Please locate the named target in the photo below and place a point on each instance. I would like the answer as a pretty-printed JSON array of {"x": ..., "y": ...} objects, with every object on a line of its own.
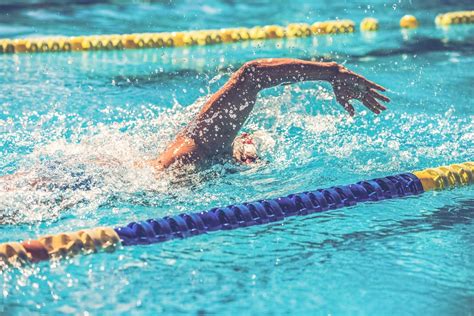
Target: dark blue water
[{"x": 408, "y": 256}]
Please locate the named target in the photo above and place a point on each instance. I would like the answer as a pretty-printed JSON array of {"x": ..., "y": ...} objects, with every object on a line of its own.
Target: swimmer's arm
[
  {"x": 347, "y": 85},
  {"x": 220, "y": 119},
  {"x": 216, "y": 125},
  {"x": 226, "y": 111}
]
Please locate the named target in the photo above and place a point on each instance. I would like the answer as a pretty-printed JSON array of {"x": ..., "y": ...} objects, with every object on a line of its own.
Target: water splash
[{"x": 97, "y": 166}]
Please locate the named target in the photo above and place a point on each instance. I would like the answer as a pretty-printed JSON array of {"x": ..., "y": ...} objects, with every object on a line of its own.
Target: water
[{"x": 407, "y": 256}]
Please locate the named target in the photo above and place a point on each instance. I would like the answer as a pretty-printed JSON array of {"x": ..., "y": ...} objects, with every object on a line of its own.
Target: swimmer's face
[{"x": 244, "y": 149}]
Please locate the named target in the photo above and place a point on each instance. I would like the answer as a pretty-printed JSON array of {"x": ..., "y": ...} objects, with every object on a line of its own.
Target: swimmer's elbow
[
  {"x": 184, "y": 150},
  {"x": 249, "y": 69},
  {"x": 251, "y": 74}
]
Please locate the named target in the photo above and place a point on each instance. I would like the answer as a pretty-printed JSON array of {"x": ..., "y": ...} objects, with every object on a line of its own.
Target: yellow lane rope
[
  {"x": 173, "y": 39},
  {"x": 208, "y": 37}
]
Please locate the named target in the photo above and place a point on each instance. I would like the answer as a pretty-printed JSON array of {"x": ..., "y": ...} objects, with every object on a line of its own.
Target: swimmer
[{"x": 213, "y": 132}]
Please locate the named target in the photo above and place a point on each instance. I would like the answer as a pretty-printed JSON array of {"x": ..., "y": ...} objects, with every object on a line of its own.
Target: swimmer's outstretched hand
[{"x": 348, "y": 85}]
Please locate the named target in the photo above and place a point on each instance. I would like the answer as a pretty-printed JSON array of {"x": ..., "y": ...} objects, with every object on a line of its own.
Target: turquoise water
[{"x": 407, "y": 256}]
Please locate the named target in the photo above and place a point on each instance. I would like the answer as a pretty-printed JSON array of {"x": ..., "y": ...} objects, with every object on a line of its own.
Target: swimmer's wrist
[{"x": 325, "y": 71}]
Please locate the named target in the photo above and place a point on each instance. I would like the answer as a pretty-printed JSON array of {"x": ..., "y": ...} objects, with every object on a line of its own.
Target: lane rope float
[
  {"x": 66, "y": 245},
  {"x": 369, "y": 24},
  {"x": 409, "y": 22},
  {"x": 173, "y": 39}
]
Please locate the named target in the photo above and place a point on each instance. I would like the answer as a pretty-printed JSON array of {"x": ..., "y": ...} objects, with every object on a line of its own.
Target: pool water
[{"x": 408, "y": 256}]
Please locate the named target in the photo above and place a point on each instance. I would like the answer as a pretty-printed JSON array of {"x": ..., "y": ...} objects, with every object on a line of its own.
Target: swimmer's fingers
[
  {"x": 370, "y": 106},
  {"x": 378, "y": 95},
  {"x": 346, "y": 105},
  {"x": 373, "y": 105},
  {"x": 373, "y": 85}
]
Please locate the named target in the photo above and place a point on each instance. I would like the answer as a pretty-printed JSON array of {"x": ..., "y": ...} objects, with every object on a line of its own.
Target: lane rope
[
  {"x": 173, "y": 39},
  {"x": 66, "y": 245},
  {"x": 209, "y": 37}
]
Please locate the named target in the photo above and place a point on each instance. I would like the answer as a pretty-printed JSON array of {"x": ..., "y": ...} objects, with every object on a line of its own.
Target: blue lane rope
[
  {"x": 267, "y": 211},
  {"x": 86, "y": 241}
]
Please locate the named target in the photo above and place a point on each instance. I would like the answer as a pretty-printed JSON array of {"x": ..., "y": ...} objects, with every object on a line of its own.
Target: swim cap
[{"x": 244, "y": 148}]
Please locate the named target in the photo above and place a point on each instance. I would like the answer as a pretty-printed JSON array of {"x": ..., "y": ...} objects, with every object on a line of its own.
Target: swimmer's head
[
  {"x": 248, "y": 148},
  {"x": 244, "y": 148}
]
